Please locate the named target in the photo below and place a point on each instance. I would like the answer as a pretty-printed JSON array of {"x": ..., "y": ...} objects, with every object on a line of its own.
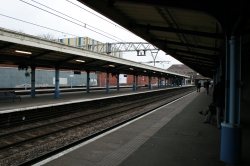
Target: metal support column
[
  {"x": 215, "y": 78},
  {"x": 101, "y": 79},
  {"x": 214, "y": 83},
  {"x": 118, "y": 82},
  {"x": 160, "y": 80},
  {"x": 57, "y": 84},
  {"x": 134, "y": 82},
  {"x": 107, "y": 83},
  {"x": 149, "y": 82},
  {"x": 87, "y": 81},
  {"x": 33, "y": 81},
  {"x": 218, "y": 74},
  {"x": 158, "y": 85},
  {"x": 231, "y": 132}
]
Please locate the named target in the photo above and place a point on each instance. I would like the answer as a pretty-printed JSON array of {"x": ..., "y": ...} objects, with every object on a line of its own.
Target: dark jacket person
[
  {"x": 198, "y": 86},
  {"x": 219, "y": 99}
]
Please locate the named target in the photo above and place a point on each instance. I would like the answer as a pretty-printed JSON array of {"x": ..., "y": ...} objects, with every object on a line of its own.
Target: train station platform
[
  {"x": 173, "y": 135},
  {"x": 46, "y": 97}
]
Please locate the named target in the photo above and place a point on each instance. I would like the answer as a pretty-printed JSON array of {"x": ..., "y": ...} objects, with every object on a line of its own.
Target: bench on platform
[{"x": 9, "y": 96}]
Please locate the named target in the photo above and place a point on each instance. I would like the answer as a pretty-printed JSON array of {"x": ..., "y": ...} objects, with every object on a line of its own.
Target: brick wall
[{"x": 142, "y": 80}]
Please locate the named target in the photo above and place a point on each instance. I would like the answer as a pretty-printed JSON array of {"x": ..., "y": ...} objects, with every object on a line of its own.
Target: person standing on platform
[
  {"x": 219, "y": 99},
  {"x": 206, "y": 84},
  {"x": 199, "y": 86}
]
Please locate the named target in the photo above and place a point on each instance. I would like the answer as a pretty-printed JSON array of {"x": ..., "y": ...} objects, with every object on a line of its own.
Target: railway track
[{"x": 19, "y": 145}]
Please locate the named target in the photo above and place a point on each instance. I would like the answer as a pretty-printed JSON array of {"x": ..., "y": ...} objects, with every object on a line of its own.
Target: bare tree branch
[{"x": 47, "y": 36}]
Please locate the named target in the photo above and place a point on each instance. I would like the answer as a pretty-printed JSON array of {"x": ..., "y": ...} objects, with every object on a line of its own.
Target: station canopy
[
  {"x": 192, "y": 31},
  {"x": 26, "y": 50}
]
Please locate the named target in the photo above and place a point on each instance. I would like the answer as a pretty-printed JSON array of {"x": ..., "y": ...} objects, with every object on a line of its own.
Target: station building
[{"x": 90, "y": 44}]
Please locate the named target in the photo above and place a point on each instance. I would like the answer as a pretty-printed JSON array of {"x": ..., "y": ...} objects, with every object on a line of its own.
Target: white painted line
[{"x": 101, "y": 135}]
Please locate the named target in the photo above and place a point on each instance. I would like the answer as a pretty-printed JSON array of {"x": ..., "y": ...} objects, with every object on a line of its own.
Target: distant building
[
  {"x": 90, "y": 44},
  {"x": 183, "y": 69}
]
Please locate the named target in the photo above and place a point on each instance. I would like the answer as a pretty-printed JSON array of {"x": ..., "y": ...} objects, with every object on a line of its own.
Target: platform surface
[
  {"x": 174, "y": 135},
  {"x": 74, "y": 96}
]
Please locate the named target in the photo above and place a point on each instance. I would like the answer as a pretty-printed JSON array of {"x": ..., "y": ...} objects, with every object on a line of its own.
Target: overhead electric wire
[
  {"x": 68, "y": 20},
  {"x": 49, "y": 28},
  {"x": 55, "y": 15},
  {"x": 38, "y": 25},
  {"x": 99, "y": 16},
  {"x": 76, "y": 19}
]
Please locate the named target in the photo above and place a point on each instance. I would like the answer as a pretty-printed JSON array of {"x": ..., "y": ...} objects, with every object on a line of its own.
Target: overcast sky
[{"x": 108, "y": 30}]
